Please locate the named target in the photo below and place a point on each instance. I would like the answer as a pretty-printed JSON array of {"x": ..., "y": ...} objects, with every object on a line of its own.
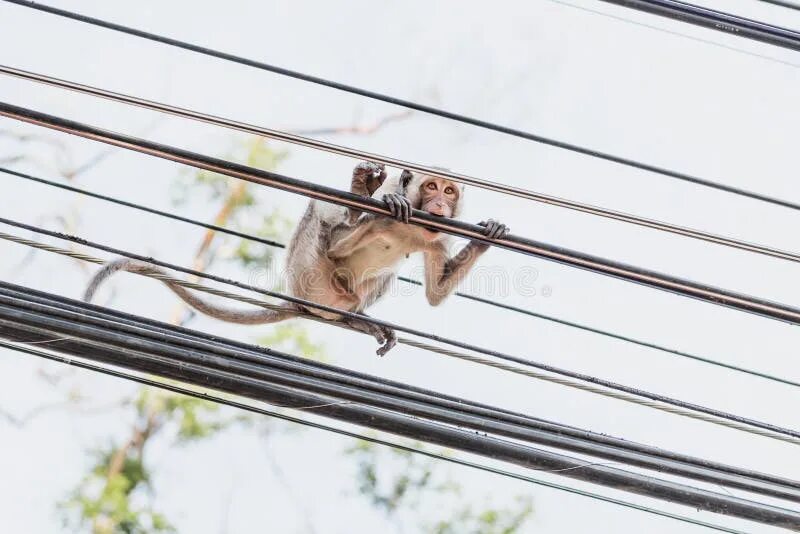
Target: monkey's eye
[
  {"x": 449, "y": 190},
  {"x": 431, "y": 186}
]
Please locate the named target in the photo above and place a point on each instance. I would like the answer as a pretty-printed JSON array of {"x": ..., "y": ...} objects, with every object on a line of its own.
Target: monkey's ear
[
  {"x": 460, "y": 203},
  {"x": 405, "y": 178}
]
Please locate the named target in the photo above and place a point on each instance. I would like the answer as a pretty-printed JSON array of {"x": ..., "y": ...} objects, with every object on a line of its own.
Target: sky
[{"x": 630, "y": 84}]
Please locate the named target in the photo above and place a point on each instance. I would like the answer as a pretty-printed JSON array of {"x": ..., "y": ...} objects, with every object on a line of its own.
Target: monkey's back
[{"x": 309, "y": 271}]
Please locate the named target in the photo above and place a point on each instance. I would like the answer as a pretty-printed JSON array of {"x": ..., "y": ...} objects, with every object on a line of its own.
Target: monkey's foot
[
  {"x": 368, "y": 167},
  {"x": 382, "y": 334},
  {"x": 367, "y": 178},
  {"x": 385, "y": 336},
  {"x": 390, "y": 340}
]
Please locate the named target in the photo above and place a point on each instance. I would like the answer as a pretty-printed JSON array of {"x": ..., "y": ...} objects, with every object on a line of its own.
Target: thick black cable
[
  {"x": 173, "y": 388},
  {"x": 527, "y": 194},
  {"x": 407, "y": 280},
  {"x": 110, "y": 347},
  {"x": 782, "y": 3},
  {"x": 181, "y": 336},
  {"x": 716, "y": 20},
  {"x": 405, "y": 103},
  {"x": 457, "y": 411},
  {"x": 527, "y": 246},
  {"x": 794, "y": 435},
  {"x": 669, "y": 31}
]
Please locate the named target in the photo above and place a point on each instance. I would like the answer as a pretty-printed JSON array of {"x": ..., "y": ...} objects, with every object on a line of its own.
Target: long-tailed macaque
[{"x": 345, "y": 259}]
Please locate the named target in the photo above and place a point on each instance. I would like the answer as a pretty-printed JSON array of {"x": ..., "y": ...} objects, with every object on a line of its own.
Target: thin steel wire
[
  {"x": 460, "y": 294},
  {"x": 174, "y": 388},
  {"x": 523, "y": 245},
  {"x": 394, "y": 162},
  {"x": 407, "y": 104},
  {"x": 665, "y": 404}
]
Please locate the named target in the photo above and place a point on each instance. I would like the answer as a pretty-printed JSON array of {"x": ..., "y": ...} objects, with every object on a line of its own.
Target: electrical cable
[
  {"x": 593, "y": 384},
  {"x": 363, "y": 437},
  {"x": 461, "y": 294},
  {"x": 629, "y": 273},
  {"x": 673, "y": 463},
  {"x": 715, "y": 20},
  {"x": 354, "y": 153},
  {"x": 782, "y": 3},
  {"x": 156, "y": 357},
  {"x": 682, "y": 35},
  {"x": 405, "y": 103}
]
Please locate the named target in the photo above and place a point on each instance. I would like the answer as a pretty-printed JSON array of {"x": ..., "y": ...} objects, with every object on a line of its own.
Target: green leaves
[
  {"x": 294, "y": 339},
  {"x": 254, "y": 152},
  {"x": 102, "y": 502},
  {"x": 402, "y": 483},
  {"x": 491, "y": 520},
  {"x": 120, "y": 477}
]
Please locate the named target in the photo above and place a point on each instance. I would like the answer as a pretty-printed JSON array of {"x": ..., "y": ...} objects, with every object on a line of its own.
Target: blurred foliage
[
  {"x": 402, "y": 487},
  {"x": 250, "y": 254},
  {"x": 490, "y": 520},
  {"x": 117, "y": 496},
  {"x": 255, "y": 152},
  {"x": 240, "y": 209},
  {"x": 113, "y": 497},
  {"x": 292, "y": 338},
  {"x": 396, "y": 480}
]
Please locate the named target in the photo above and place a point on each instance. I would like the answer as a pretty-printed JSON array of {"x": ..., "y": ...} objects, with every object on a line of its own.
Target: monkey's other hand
[
  {"x": 368, "y": 176},
  {"x": 389, "y": 342},
  {"x": 494, "y": 229},
  {"x": 399, "y": 205}
]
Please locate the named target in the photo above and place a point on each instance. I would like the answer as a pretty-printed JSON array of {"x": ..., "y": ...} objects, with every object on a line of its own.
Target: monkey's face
[{"x": 439, "y": 197}]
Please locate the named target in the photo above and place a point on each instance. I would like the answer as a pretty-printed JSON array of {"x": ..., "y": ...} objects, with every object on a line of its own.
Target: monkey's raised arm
[{"x": 443, "y": 274}]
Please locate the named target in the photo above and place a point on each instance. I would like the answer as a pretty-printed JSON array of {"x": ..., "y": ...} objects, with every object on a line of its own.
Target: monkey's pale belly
[{"x": 370, "y": 262}]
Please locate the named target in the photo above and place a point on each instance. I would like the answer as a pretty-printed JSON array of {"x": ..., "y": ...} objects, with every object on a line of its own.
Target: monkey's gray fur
[{"x": 345, "y": 259}]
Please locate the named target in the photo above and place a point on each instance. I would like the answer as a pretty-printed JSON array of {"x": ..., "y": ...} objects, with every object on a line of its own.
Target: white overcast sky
[{"x": 661, "y": 92}]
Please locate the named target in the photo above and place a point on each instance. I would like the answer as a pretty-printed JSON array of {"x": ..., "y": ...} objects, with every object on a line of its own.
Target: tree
[{"x": 117, "y": 494}]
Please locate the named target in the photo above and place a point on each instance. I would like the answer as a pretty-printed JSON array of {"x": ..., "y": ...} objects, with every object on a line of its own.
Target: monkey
[
  {"x": 376, "y": 244},
  {"x": 343, "y": 258}
]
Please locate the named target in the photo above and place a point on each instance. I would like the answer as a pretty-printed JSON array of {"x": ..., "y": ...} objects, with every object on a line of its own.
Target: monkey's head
[{"x": 437, "y": 196}]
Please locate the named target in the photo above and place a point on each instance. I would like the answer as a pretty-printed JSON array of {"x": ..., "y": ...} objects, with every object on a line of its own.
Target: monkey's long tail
[{"x": 262, "y": 316}]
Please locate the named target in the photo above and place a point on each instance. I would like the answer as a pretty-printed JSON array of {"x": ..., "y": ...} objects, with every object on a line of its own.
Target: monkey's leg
[
  {"x": 384, "y": 335},
  {"x": 344, "y": 295},
  {"x": 366, "y": 233}
]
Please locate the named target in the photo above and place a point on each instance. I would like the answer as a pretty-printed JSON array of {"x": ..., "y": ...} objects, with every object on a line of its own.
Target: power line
[
  {"x": 715, "y": 20},
  {"x": 675, "y": 33},
  {"x": 364, "y": 437},
  {"x": 354, "y": 153},
  {"x": 782, "y": 3},
  {"x": 405, "y": 103},
  {"x": 460, "y": 294},
  {"x": 134, "y": 350},
  {"x": 16, "y": 2},
  {"x": 526, "y": 246},
  {"x": 674, "y": 463},
  {"x": 618, "y": 391},
  {"x": 139, "y": 207},
  {"x": 407, "y": 280}
]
